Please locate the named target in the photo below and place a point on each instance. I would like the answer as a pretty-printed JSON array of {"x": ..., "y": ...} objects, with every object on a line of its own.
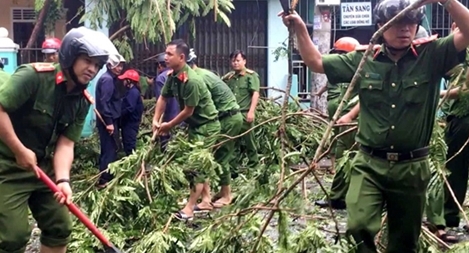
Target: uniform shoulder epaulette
[
  {"x": 250, "y": 71},
  {"x": 425, "y": 40},
  {"x": 43, "y": 67},
  {"x": 228, "y": 75},
  {"x": 365, "y": 47},
  {"x": 88, "y": 97},
  {"x": 169, "y": 72}
]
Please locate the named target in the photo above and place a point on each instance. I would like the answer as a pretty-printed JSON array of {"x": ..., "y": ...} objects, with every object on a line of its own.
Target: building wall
[
  {"x": 276, "y": 34},
  {"x": 6, "y": 16}
]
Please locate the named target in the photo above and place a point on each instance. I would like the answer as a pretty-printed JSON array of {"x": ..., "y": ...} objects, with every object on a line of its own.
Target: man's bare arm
[
  {"x": 254, "y": 101},
  {"x": 183, "y": 115},
  {"x": 7, "y": 133},
  {"x": 354, "y": 112},
  {"x": 63, "y": 158},
  {"x": 460, "y": 14},
  {"x": 309, "y": 53},
  {"x": 159, "y": 108}
]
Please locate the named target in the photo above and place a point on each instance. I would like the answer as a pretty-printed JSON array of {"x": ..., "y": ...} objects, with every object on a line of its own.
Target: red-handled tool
[{"x": 80, "y": 215}]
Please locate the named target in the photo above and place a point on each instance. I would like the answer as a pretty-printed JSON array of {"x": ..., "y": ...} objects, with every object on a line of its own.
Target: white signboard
[{"x": 356, "y": 14}]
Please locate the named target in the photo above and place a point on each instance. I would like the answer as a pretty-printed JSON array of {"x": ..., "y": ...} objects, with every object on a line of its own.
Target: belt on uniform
[
  {"x": 206, "y": 122},
  {"x": 225, "y": 114},
  {"x": 395, "y": 156}
]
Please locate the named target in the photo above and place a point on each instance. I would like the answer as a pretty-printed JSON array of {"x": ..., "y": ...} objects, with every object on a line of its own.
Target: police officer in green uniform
[
  {"x": 442, "y": 211},
  {"x": 42, "y": 109},
  {"x": 457, "y": 132},
  {"x": 245, "y": 85},
  {"x": 3, "y": 75},
  {"x": 197, "y": 110},
  {"x": 398, "y": 91},
  {"x": 341, "y": 46},
  {"x": 231, "y": 122}
]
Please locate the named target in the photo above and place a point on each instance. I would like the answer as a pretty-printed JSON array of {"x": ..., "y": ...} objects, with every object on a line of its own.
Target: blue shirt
[
  {"x": 108, "y": 98},
  {"x": 172, "y": 106},
  {"x": 132, "y": 107}
]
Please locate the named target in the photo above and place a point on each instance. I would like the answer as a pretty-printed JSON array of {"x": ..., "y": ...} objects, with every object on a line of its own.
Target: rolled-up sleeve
[
  {"x": 340, "y": 68},
  {"x": 18, "y": 88},
  {"x": 448, "y": 55}
]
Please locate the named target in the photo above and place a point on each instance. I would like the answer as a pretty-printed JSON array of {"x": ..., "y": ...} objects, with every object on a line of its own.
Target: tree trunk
[{"x": 37, "y": 28}]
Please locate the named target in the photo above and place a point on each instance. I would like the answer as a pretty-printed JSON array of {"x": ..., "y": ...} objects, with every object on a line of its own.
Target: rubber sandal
[
  {"x": 180, "y": 215},
  {"x": 215, "y": 198},
  {"x": 197, "y": 209},
  {"x": 218, "y": 204}
]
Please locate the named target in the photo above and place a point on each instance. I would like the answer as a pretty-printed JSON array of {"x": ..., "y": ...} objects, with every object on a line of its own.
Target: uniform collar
[
  {"x": 183, "y": 69},
  {"x": 382, "y": 51},
  {"x": 59, "y": 75},
  {"x": 61, "y": 79},
  {"x": 241, "y": 73},
  {"x": 181, "y": 74}
]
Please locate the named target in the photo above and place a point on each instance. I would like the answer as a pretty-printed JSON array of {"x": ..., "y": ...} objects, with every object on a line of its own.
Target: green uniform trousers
[
  {"x": 230, "y": 126},
  {"x": 339, "y": 185},
  {"x": 435, "y": 209},
  {"x": 402, "y": 186},
  {"x": 20, "y": 189},
  {"x": 457, "y": 132},
  {"x": 442, "y": 211},
  {"x": 249, "y": 147},
  {"x": 332, "y": 106},
  {"x": 207, "y": 133}
]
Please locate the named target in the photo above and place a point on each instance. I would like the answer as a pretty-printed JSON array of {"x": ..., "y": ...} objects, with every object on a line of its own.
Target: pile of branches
[{"x": 135, "y": 210}]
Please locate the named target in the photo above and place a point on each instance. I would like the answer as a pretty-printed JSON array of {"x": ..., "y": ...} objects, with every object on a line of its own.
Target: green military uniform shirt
[
  {"x": 243, "y": 84},
  {"x": 3, "y": 76},
  {"x": 333, "y": 90},
  {"x": 40, "y": 108},
  {"x": 457, "y": 107},
  {"x": 352, "y": 101},
  {"x": 190, "y": 90},
  {"x": 222, "y": 95},
  {"x": 398, "y": 99}
]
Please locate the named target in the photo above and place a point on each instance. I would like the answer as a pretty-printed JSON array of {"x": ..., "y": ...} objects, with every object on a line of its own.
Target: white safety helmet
[{"x": 114, "y": 60}]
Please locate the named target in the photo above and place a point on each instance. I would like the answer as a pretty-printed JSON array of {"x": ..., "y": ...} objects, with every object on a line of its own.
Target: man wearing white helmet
[
  {"x": 43, "y": 107},
  {"x": 109, "y": 97}
]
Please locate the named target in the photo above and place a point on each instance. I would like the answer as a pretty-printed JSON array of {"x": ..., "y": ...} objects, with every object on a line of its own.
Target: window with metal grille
[
  {"x": 441, "y": 20},
  {"x": 23, "y": 15},
  {"x": 303, "y": 8}
]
